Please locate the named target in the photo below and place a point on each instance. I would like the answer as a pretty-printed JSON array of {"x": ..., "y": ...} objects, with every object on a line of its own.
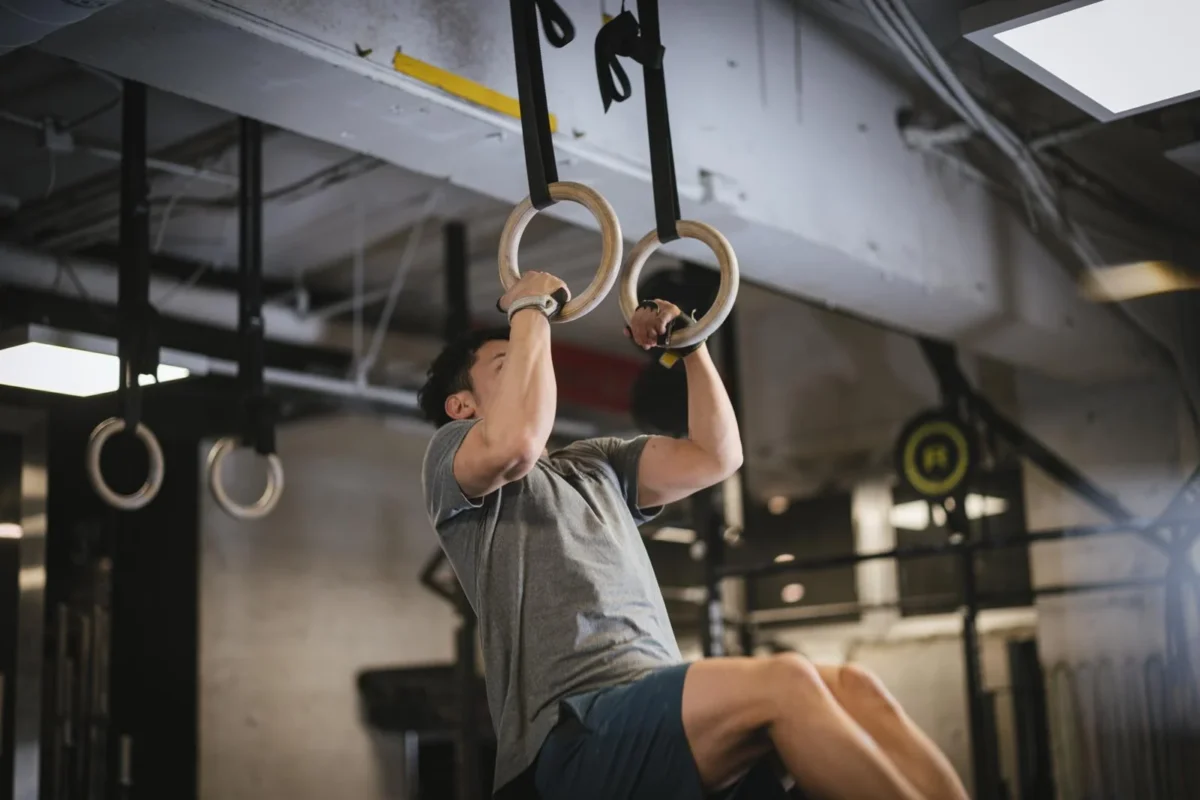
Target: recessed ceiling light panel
[{"x": 1112, "y": 58}]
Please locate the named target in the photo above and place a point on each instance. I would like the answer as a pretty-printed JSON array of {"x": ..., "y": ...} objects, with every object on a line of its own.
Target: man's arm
[
  {"x": 672, "y": 469},
  {"x": 507, "y": 443}
]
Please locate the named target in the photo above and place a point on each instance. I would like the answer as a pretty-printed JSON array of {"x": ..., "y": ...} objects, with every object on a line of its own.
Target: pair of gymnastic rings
[
  {"x": 133, "y": 289},
  {"x": 610, "y": 262},
  {"x": 217, "y": 455}
]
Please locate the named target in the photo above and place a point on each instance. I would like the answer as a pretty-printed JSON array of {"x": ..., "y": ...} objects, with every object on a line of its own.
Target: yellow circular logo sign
[{"x": 934, "y": 455}]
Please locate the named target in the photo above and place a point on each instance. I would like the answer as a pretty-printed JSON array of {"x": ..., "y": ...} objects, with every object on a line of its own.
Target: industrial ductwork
[{"x": 24, "y": 22}]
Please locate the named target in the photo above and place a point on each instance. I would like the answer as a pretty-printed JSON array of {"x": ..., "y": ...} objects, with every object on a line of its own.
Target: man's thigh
[
  {"x": 632, "y": 743},
  {"x": 727, "y": 704},
  {"x": 625, "y": 743}
]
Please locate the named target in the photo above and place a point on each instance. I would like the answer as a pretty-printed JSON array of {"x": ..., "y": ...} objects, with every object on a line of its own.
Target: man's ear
[{"x": 460, "y": 405}]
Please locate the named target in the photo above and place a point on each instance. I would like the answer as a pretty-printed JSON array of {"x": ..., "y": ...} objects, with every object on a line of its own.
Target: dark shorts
[{"x": 627, "y": 743}]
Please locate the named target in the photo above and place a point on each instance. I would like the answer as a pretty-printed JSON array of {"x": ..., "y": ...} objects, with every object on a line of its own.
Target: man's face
[{"x": 485, "y": 376}]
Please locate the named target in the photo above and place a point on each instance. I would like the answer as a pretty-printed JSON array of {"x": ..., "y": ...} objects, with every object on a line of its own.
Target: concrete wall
[
  {"x": 1135, "y": 441},
  {"x": 826, "y": 394},
  {"x": 292, "y": 607}
]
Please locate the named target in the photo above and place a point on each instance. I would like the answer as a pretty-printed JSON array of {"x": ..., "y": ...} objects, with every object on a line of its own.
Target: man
[{"x": 588, "y": 692}]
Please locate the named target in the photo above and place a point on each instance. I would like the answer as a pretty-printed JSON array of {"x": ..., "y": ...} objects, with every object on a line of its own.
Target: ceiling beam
[{"x": 783, "y": 138}]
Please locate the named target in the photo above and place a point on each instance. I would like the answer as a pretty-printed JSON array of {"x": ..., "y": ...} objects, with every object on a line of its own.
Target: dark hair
[{"x": 451, "y": 372}]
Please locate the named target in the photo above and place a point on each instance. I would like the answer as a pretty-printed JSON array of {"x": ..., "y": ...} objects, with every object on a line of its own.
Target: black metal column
[
  {"x": 126, "y": 639},
  {"x": 458, "y": 319},
  {"x": 458, "y": 312},
  {"x": 710, "y": 527},
  {"x": 731, "y": 372},
  {"x": 973, "y": 670},
  {"x": 1035, "y": 766},
  {"x": 467, "y": 781}
]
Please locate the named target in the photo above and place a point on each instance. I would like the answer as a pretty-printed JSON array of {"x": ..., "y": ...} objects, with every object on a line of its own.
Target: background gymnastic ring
[
  {"x": 154, "y": 479},
  {"x": 266, "y": 502},
  {"x": 726, "y": 295},
  {"x": 610, "y": 256}
]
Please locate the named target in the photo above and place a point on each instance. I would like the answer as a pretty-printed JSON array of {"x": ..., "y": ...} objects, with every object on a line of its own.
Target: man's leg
[
  {"x": 877, "y": 712},
  {"x": 729, "y": 702}
]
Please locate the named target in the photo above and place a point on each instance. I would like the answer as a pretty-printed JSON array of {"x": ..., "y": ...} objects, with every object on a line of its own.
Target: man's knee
[
  {"x": 793, "y": 675},
  {"x": 858, "y": 685}
]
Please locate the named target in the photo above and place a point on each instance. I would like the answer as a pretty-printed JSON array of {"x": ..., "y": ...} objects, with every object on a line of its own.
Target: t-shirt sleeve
[
  {"x": 444, "y": 498},
  {"x": 624, "y": 455}
]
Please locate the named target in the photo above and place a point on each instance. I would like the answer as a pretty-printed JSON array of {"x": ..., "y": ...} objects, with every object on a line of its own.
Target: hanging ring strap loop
[
  {"x": 622, "y": 36},
  {"x": 560, "y": 31}
]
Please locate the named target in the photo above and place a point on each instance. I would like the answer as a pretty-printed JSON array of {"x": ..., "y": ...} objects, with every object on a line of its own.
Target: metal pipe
[
  {"x": 928, "y": 551},
  {"x": 934, "y": 602},
  {"x": 182, "y": 170}
]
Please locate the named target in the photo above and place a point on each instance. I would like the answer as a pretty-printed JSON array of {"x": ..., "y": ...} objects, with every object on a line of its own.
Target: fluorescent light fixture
[
  {"x": 1140, "y": 279},
  {"x": 675, "y": 535},
  {"x": 47, "y": 360},
  {"x": 10, "y": 530},
  {"x": 1112, "y": 58},
  {"x": 784, "y": 558}
]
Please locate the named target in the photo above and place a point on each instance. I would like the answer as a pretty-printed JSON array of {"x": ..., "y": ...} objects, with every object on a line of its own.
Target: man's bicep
[{"x": 670, "y": 470}]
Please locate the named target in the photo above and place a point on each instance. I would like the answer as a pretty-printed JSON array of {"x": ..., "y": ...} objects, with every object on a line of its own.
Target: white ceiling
[{"x": 825, "y": 394}]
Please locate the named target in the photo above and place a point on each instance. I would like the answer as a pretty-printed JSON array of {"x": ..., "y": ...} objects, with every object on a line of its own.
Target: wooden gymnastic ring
[
  {"x": 708, "y": 324},
  {"x": 610, "y": 255},
  {"x": 154, "y": 479},
  {"x": 266, "y": 502}
]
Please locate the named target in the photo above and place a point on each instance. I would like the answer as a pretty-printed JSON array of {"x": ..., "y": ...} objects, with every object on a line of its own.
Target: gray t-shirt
[{"x": 560, "y": 579}]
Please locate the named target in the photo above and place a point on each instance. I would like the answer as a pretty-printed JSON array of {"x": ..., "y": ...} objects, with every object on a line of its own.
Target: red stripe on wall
[{"x": 593, "y": 379}]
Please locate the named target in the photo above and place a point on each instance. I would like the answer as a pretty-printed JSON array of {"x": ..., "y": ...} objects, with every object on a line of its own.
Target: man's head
[{"x": 462, "y": 379}]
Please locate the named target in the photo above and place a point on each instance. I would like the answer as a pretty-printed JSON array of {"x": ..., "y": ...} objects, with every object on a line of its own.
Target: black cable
[{"x": 540, "y": 164}]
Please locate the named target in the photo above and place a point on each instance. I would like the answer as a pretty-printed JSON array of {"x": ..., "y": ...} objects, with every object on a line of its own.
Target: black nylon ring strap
[
  {"x": 642, "y": 41},
  {"x": 531, "y": 89},
  {"x": 258, "y": 411},
  {"x": 137, "y": 345}
]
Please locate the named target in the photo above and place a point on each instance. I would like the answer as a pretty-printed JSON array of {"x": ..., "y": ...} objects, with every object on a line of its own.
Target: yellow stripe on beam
[{"x": 461, "y": 87}]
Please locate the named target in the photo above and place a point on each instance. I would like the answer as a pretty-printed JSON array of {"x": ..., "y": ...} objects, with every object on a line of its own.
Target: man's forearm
[
  {"x": 712, "y": 425},
  {"x": 522, "y": 413}
]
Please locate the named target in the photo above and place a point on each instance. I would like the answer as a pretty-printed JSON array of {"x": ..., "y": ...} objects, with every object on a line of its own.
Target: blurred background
[{"x": 938, "y": 207}]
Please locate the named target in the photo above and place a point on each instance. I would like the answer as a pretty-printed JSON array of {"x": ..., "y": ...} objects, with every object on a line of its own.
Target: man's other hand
[{"x": 650, "y": 322}]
